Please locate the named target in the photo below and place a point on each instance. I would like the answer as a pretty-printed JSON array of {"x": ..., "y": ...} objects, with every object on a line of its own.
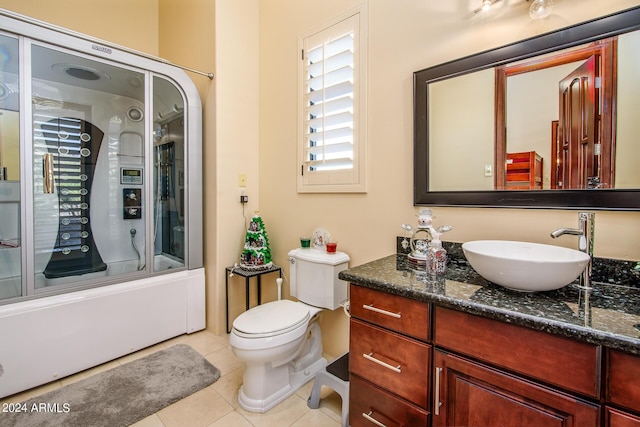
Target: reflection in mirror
[
  {"x": 463, "y": 135},
  {"x": 461, "y": 142},
  {"x": 491, "y": 127},
  {"x": 538, "y": 114}
]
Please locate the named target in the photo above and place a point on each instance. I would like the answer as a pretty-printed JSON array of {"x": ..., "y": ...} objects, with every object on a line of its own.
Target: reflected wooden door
[{"x": 578, "y": 127}]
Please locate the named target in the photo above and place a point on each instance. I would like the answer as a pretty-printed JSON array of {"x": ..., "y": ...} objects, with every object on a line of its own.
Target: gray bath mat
[{"x": 120, "y": 396}]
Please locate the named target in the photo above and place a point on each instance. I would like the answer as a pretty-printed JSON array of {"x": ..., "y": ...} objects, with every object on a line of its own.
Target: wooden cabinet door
[
  {"x": 470, "y": 394},
  {"x": 616, "y": 418},
  {"x": 623, "y": 387}
]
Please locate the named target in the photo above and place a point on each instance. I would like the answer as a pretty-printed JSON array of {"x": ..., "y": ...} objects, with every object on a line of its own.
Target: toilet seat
[{"x": 271, "y": 319}]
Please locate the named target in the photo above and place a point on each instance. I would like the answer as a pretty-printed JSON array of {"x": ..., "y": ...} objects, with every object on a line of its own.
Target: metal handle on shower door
[{"x": 47, "y": 161}]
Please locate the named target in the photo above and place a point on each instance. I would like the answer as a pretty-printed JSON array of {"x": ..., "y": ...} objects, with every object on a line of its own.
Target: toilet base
[{"x": 296, "y": 380}]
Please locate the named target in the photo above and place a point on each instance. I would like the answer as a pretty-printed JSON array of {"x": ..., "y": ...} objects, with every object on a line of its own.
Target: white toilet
[{"x": 280, "y": 342}]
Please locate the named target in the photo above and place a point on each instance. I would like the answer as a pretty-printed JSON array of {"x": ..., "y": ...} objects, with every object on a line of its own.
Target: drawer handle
[
  {"x": 381, "y": 311},
  {"x": 370, "y": 357},
  {"x": 373, "y": 420},
  {"x": 436, "y": 395}
]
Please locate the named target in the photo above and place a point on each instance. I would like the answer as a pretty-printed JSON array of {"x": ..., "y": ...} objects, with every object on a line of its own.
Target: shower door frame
[{"x": 37, "y": 33}]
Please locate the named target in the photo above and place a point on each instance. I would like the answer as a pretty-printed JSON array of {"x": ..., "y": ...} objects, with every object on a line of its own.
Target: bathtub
[
  {"x": 49, "y": 338},
  {"x": 10, "y": 285},
  {"x": 160, "y": 263}
]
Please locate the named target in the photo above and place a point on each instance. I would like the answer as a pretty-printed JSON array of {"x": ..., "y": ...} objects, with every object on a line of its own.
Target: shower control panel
[
  {"x": 131, "y": 176},
  {"x": 131, "y": 203}
]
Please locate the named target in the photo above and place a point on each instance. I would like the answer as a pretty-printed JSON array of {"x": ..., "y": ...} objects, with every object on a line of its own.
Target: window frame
[{"x": 344, "y": 180}]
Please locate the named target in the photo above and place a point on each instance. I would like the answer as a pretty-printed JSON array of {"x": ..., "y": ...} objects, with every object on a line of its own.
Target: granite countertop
[{"x": 607, "y": 315}]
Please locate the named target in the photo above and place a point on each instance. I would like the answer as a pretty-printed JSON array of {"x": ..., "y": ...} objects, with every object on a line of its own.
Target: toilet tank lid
[{"x": 319, "y": 256}]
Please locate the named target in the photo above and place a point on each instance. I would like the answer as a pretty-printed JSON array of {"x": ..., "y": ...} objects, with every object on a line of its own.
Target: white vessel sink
[{"x": 525, "y": 267}]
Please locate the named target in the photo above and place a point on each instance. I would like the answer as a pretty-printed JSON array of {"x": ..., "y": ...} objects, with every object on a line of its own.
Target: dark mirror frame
[{"x": 609, "y": 199}]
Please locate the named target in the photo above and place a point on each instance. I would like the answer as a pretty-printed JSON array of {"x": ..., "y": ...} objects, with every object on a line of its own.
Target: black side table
[{"x": 248, "y": 274}]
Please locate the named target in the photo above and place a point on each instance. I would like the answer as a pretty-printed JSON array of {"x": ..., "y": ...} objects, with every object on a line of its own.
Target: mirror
[{"x": 511, "y": 144}]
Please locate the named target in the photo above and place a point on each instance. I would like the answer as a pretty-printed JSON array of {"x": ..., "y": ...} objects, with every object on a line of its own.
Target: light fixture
[
  {"x": 485, "y": 6},
  {"x": 540, "y": 9}
]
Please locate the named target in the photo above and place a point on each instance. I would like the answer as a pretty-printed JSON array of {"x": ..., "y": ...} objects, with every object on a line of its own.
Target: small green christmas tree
[{"x": 256, "y": 253}]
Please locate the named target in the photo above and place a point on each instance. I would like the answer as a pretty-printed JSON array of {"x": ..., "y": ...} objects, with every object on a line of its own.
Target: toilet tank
[{"x": 313, "y": 275}]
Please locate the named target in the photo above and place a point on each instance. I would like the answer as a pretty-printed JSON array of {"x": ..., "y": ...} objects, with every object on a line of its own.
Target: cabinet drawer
[
  {"x": 403, "y": 315},
  {"x": 555, "y": 360},
  {"x": 394, "y": 362},
  {"x": 367, "y": 402},
  {"x": 623, "y": 387}
]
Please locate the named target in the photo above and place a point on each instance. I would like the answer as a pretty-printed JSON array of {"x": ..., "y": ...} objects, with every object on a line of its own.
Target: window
[{"x": 332, "y": 123}]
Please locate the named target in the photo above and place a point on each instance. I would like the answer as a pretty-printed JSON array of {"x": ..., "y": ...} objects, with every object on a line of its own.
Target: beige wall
[
  {"x": 403, "y": 38},
  {"x": 187, "y": 37},
  {"x": 133, "y": 24},
  {"x": 237, "y": 126},
  {"x": 462, "y": 134},
  {"x": 628, "y": 127}
]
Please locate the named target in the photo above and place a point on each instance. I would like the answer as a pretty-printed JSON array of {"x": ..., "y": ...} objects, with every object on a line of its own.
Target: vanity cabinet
[
  {"x": 622, "y": 389},
  {"x": 389, "y": 360},
  {"x": 415, "y": 363}
]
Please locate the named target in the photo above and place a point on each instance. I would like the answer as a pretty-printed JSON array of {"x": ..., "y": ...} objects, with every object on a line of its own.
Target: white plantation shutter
[{"x": 331, "y": 141}]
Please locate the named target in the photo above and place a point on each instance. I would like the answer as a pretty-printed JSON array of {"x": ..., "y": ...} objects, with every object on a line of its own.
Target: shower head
[
  {"x": 132, "y": 232},
  {"x": 81, "y": 72}
]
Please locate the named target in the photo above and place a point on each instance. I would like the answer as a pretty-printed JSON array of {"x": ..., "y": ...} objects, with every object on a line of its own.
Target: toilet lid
[{"x": 272, "y": 318}]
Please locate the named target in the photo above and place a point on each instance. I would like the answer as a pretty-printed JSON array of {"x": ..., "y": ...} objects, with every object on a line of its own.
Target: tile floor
[{"x": 217, "y": 405}]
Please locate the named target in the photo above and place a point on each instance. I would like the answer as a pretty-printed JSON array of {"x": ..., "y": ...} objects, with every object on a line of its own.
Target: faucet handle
[
  {"x": 587, "y": 216},
  {"x": 588, "y": 225},
  {"x": 582, "y": 243}
]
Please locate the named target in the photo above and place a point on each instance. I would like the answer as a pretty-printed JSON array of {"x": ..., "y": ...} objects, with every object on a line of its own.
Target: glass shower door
[
  {"x": 169, "y": 175},
  {"x": 11, "y": 284},
  {"x": 88, "y": 162}
]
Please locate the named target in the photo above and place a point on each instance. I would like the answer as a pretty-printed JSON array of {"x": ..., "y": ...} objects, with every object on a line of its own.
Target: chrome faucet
[{"x": 585, "y": 231}]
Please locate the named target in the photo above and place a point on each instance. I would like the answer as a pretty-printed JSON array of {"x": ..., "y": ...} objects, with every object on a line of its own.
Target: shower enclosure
[{"x": 100, "y": 202}]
